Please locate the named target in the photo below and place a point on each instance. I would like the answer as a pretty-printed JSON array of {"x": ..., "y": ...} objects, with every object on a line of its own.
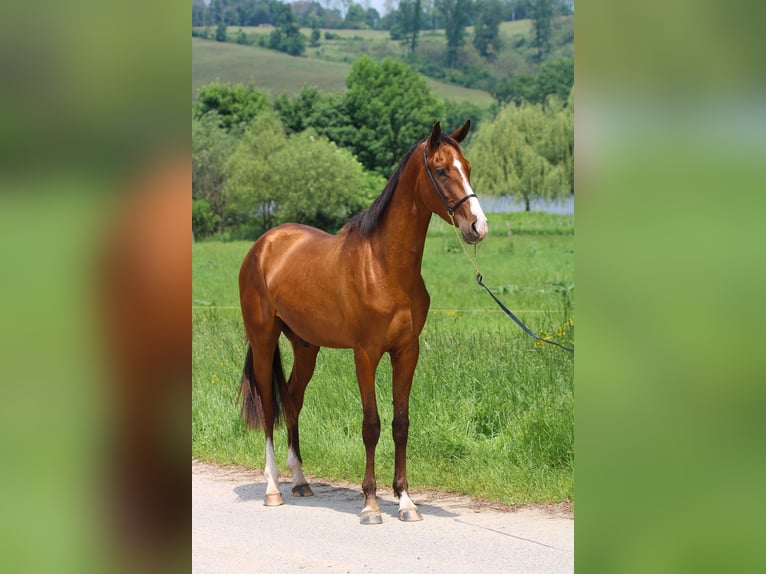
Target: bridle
[{"x": 450, "y": 208}]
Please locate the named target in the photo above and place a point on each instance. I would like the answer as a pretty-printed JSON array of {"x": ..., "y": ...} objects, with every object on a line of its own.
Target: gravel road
[{"x": 232, "y": 531}]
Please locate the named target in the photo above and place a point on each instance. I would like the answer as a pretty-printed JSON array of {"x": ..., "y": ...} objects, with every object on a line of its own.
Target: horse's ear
[
  {"x": 459, "y": 134},
  {"x": 433, "y": 139}
]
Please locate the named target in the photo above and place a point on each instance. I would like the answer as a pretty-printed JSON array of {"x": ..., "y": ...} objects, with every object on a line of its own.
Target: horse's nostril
[{"x": 473, "y": 228}]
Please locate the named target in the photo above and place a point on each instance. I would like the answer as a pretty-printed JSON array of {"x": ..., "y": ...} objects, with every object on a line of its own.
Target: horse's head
[{"x": 449, "y": 190}]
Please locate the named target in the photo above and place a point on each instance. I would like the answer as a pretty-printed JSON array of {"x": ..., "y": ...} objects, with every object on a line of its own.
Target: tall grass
[{"x": 491, "y": 415}]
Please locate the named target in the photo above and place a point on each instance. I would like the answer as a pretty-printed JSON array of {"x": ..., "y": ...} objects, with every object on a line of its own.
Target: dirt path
[{"x": 233, "y": 532}]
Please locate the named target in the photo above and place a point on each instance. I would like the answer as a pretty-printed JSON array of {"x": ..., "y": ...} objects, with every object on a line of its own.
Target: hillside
[{"x": 275, "y": 72}]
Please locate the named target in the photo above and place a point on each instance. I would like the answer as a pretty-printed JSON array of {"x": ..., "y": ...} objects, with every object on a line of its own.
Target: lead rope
[{"x": 480, "y": 281}]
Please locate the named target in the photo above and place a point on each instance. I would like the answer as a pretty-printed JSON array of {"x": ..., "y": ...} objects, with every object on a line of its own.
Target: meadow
[
  {"x": 277, "y": 73},
  {"x": 491, "y": 412}
]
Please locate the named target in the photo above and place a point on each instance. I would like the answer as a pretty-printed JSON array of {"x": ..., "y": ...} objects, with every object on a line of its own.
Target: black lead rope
[
  {"x": 479, "y": 278},
  {"x": 480, "y": 281}
]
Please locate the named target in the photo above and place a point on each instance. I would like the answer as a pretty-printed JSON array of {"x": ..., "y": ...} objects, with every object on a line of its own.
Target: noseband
[{"x": 450, "y": 208}]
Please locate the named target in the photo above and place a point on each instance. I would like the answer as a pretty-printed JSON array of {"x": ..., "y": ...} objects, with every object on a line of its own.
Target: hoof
[
  {"x": 370, "y": 517},
  {"x": 302, "y": 490},
  {"x": 273, "y": 499},
  {"x": 409, "y": 515}
]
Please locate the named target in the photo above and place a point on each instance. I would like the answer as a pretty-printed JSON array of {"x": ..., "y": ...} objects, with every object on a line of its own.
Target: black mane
[{"x": 367, "y": 220}]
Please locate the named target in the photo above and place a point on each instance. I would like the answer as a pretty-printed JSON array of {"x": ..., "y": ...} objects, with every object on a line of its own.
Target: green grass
[
  {"x": 275, "y": 72},
  {"x": 491, "y": 413}
]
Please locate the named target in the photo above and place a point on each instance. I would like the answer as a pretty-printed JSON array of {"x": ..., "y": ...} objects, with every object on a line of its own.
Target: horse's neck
[{"x": 401, "y": 237}]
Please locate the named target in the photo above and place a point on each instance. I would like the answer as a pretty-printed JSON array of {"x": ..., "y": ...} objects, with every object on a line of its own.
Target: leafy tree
[
  {"x": 211, "y": 148},
  {"x": 220, "y": 32},
  {"x": 486, "y": 36},
  {"x": 410, "y": 15},
  {"x": 456, "y": 113},
  {"x": 286, "y": 37},
  {"x": 204, "y": 221},
  {"x": 542, "y": 14},
  {"x": 556, "y": 77},
  {"x": 455, "y": 14},
  {"x": 355, "y": 17},
  {"x": 316, "y": 34},
  {"x": 235, "y": 104},
  {"x": 322, "y": 185},
  {"x": 199, "y": 13},
  {"x": 305, "y": 178},
  {"x": 252, "y": 188},
  {"x": 516, "y": 89},
  {"x": 372, "y": 18},
  {"x": 520, "y": 154},
  {"x": 390, "y": 106}
]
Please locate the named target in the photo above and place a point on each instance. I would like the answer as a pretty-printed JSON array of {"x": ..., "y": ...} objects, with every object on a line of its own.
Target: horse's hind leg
[
  {"x": 263, "y": 342},
  {"x": 304, "y": 361}
]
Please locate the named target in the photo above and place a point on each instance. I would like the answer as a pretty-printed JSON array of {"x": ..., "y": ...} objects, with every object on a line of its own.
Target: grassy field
[
  {"x": 275, "y": 72},
  {"x": 491, "y": 413}
]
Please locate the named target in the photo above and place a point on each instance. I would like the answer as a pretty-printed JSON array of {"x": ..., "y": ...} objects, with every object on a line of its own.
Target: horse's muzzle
[{"x": 476, "y": 232}]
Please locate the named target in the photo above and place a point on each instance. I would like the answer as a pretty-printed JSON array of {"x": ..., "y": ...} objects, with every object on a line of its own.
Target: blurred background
[{"x": 94, "y": 242}]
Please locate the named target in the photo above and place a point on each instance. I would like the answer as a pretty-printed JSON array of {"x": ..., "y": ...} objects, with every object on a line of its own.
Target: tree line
[
  {"x": 418, "y": 14},
  {"x": 318, "y": 158},
  {"x": 405, "y": 22}
]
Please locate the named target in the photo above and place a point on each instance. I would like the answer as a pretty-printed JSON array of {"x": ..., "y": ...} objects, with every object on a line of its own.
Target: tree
[
  {"x": 522, "y": 154},
  {"x": 274, "y": 178},
  {"x": 410, "y": 15},
  {"x": 486, "y": 36},
  {"x": 321, "y": 185},
  {"x": 220, "y": 32},
  {"x": 556, "y": 77},
  {"x": 199, "y": 13},
  {"x": 542, "y": 14},
  {"x": 517, "y": 89},
  {"x": 355, "y": 17},
  {"x": 286, "y": 37},
  {"x": 211, "y": 148},
  {"x": 372, "y": 18},
  {"x": 390, "y": 107},
  {"x": 235, "y": 104},
  {"x": 455, "y": 14},
  {"x": 204, "y": 221},
  {"x": 252, "y": 189},
  {"x": 316, "y": 34}
]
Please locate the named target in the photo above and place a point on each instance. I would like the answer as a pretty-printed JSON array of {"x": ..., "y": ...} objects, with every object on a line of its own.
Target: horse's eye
[{"x": 440, "y": 171}]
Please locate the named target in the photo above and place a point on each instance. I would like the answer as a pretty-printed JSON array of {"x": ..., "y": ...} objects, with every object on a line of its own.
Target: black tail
[{"x": 252, "y": 406}]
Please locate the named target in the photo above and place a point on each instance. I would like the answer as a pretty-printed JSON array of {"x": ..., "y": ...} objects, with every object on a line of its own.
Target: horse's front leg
[
  {"x": 366, "y": 363},
  {"x": 403, "y": 362}
]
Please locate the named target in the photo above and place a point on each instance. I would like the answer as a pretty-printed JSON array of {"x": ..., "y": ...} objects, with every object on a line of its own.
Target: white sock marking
[
  {"x": 294, "y": 463},
  {"x": 271, "y": 471}
]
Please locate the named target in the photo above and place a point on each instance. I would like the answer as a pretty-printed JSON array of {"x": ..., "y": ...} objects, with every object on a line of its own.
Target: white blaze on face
[{"x": 473, "y": 203}]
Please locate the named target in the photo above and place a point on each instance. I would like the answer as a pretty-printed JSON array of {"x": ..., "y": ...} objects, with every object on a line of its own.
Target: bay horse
[{"x": 360, "y": 289}]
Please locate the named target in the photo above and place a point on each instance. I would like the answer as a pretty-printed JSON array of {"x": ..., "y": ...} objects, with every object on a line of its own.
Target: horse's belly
[{"x": 317, "y": 327}]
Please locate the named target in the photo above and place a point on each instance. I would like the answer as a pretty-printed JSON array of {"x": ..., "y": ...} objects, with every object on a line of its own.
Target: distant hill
[{"x": 275, "y": 72}]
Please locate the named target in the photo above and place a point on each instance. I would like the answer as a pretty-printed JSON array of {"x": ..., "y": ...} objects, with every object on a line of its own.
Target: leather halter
[{"x": 450, "y": 208}]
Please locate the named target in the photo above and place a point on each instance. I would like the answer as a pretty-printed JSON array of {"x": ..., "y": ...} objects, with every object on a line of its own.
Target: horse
[{"x": 360, "y": 289}]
